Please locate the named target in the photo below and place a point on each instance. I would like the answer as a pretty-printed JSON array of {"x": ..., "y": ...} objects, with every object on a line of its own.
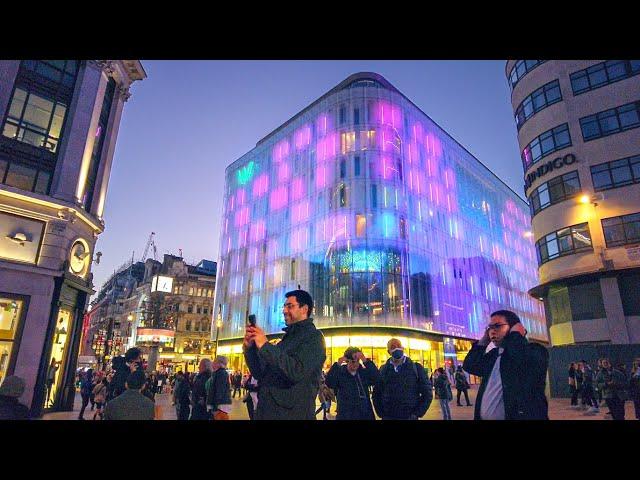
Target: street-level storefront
[{"x": 423, "y": 347}]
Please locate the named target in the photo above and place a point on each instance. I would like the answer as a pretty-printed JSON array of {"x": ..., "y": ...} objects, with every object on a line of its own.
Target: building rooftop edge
[{"x": 379, "y": 78}]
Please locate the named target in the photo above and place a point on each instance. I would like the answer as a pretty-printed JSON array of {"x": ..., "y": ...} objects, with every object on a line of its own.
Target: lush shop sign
[{"x": 555, "y": 164}]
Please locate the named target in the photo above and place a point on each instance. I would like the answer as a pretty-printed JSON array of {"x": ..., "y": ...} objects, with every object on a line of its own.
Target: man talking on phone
[
  {"x": 288, "y": 372},
  {"x": 513, "y": 371}
]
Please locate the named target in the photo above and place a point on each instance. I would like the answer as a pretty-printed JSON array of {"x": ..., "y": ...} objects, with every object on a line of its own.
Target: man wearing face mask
[
  {"x": 351, "y": 376},
  {"x": 513, "y": 372},
  {"x": 403, "y": 391}
]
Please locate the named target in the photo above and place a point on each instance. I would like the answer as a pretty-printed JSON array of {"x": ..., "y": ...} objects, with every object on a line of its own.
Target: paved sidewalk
[{"x": 558, "y": 410}]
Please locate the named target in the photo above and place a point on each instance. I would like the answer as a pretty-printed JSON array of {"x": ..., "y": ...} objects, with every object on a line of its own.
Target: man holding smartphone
[
  {"x": 513, "y": 371},
  {"x": 288, "y": 372}
]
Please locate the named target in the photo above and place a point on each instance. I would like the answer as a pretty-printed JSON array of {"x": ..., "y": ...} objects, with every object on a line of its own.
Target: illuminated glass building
[{"x": 391, "y": 225}]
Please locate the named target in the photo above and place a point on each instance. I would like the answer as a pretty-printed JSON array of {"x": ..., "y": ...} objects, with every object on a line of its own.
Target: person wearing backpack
[
  {"x": 513, "y": 371},
  {"x": 443, "y": 390},
  {"x": 462, "y": 385},
  {"x": 402, "y": 391}
]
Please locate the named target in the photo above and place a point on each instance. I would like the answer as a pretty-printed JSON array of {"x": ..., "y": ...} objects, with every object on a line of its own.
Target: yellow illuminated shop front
[{"x": 424, "y": 348}]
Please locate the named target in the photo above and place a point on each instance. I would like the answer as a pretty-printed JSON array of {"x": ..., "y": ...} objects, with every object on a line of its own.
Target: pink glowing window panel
[
  {"x": 272, "y": 249},
  {"x": 449, "y": 179},
  {"x": 243, "y": 233},
  {"x": 323, "y": 125},
  {"x": 260, "y": 185},
  {"x": 327, "y": 147},
  {"x": 300, "y": 212},
  {"x": 241, "y": 196},
  {"x": 299, "y": 239},
  {"x": 258, "y": 230},
  {"x": 297, "y": 189},
  {"x": 284, "y": 172},
  {"x": 302, "y": 137},
  {"x": 323, "y": 176},
  {"x": 278, "y": 198},
  {"x": 280, "y": 151},
  {"x": 241, "y": 217},
  {"x": 386, "y": 113},
  {"x": 417, "y": 133}
]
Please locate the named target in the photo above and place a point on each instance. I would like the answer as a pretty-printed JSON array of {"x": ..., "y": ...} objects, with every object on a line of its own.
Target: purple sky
[{"x": 190, "y": 119}]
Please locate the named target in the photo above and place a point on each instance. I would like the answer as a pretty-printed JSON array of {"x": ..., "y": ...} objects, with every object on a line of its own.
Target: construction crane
[{"x": 150, "y": 243}]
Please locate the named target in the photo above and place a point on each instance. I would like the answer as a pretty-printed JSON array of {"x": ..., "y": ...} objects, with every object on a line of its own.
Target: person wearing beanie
[
  {"x": 513, "y": 371},
  {"x": 131, "y": 404},
  {"x": 11, "y": 389},
  {"x": 218, "y": 390},
  {"x": 351, "y": 376}
]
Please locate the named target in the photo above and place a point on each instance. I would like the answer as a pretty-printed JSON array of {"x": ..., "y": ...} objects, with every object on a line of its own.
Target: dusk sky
[{"x": 190, "y": 119}]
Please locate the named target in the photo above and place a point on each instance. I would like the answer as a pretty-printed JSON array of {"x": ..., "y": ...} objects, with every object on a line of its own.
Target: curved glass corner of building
[{"x": 389, "y": 223}]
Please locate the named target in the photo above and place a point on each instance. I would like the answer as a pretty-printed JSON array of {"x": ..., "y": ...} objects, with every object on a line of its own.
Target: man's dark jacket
[
  {"x": 198, "y": 396},
  {"x": 523, "y": 370},
  {"x": 219, "y": 391},
  {"x": 289, "y": 373},
  {"x": 129, "y": 405},
  {"x": 404, "y": 394},
  {"x": 352, "y": 391}
]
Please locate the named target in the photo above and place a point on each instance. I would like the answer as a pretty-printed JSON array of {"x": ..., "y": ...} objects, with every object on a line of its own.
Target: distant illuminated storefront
[{"x": 391, "y": 225}]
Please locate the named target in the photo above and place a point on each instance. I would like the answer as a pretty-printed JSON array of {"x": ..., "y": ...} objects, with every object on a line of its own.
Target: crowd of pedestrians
[
  {"x": 285, "y": 379},
  {"x": 608, "y": 385}
]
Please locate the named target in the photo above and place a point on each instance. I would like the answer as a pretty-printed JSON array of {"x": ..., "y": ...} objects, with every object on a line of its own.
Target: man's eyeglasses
[
  {"x": 289, "y": 306},
  {"x": 495, "y": 326}
]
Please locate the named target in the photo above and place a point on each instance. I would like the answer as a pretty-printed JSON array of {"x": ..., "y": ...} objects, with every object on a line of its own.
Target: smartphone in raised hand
[{"x": 251, "y": 321}]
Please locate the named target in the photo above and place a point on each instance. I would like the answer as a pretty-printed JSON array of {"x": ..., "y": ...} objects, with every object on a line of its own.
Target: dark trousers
[
  {"x": 466, "y": 396},
  {"x": 85, "y": 402},
  {"x": 574, "y": 395},
  {"x": 183, "y": 410},
  {"x": 199, "y": 412},
  {"x": 588, "y": 396},
  {"x": 250, "y": 407},
  {"x": 636, "y": 406},
  {"x": 236, "y": 389},
  {"x": 616, "y": 407}
]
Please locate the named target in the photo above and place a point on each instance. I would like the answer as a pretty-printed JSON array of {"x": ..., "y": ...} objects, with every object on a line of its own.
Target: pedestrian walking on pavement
[
  {"x": 325, "y": 397},
  {"x": 288, "y": 372},
  {"x": 218, "y": 390},
  {"x": 403, "y": 391},
  {"x": 99, "y": 393},
  {"x": 513, "y": 371},
  {"x": 443, "y": 389},
  {"x": 199, "y": 391},
  {"x": 86, "y": 387},
  {"x": 613, "y": 384},
  {"x": 462, "y": 385},
  {"x": 588, "y": 392},
  {"x": 237, "y": 384},
  {"x": 252, "y": 387},
  {"x": 181, "y": 394}
]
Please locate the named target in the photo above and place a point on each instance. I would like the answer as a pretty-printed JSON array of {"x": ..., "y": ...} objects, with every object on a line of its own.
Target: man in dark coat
[
  {"x": 219, "y": 390},
  {"x": 351, "y": 376},
  {"x": 462, "y": 385},
  {"x": 131, "y": 404},
  {"x": 181, "y": 391},
  {"x": 403, "y": 391},
  {"x": 288, "y": 372},
  {"x": 513, "y": 372},
  {"x": 11, "y": 389},
  {"x": 199, "y": 391}
]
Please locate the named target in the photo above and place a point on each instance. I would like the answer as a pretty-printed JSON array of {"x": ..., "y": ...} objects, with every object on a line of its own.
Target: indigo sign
[{"x": 542, "y": 170}]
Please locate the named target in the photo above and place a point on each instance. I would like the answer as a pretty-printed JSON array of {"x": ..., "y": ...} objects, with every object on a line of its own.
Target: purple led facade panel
[{"x": 365, "y": 202}]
